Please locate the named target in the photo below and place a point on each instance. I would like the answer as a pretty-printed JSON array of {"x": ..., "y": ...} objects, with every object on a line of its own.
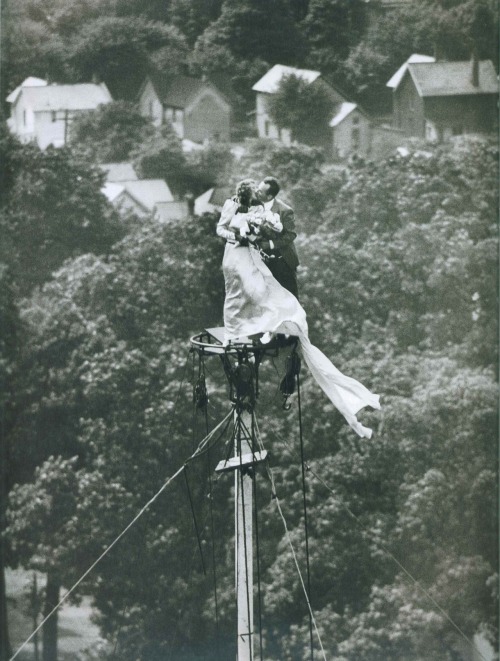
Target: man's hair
[{"x": 274, "y": 187}]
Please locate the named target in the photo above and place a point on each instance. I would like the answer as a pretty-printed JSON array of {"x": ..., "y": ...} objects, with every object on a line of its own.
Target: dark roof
[
  {"x": 179, "y": 91},
  {"x": 220, "y": 194},
  {"x": 453, "y": 78}
]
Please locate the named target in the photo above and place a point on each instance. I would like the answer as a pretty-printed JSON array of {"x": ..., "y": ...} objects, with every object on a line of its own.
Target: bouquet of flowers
[{"x": 260, "y": 224}]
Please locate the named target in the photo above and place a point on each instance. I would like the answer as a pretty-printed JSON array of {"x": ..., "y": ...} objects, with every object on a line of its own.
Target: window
[
  {"x": 151, "y": 109},
  {"x": 267, "y": 127},
  {"x": 24, "y": 117},
  {"x": 54, "y": 115},
  {"x": 355, "y": 138}
]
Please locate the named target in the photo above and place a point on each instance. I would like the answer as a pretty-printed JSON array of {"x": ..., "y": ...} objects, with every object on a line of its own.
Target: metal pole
[{"x": 244, "y": 539}]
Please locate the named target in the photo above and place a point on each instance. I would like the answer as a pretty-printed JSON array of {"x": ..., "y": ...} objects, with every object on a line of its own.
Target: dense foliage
[{"x": 402, "y": 527}]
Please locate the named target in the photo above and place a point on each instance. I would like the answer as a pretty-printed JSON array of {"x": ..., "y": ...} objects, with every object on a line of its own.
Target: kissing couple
[{"x": 261, "y": 294}]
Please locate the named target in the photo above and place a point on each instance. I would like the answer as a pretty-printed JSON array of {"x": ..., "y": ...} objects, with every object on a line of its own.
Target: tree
[
  {"x": 192, "y": 18},
  {"x": 251, "y": 30},
  {"x": 9, "y": 354},
  {"x": 332, "y": 29},
  {"x": 110, "y": 133},
  {"x": 118, "y": 50},
  {"x": 289, "y": 164},
  {"x": 103, "y": 353},
  {"x": 404, "y": 248},
  {"x": 55, "y": 210},
  {"x": 304, "y": 108},
  {"x": 209, "y": 166},
  {"x": 160, "y": 156},
  {"x": 48, "y": 521}
]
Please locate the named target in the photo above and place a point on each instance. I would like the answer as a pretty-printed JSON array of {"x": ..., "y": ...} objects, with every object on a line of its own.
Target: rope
[
  {"x": 275, "y": 497},
  {"x": 198, "y": 538},
  {"x": 117, "y": 539},
  {"x": 304, "y": 497},
  {"x": 311, "y": 614},
  {"x": 388, "y": 552}
]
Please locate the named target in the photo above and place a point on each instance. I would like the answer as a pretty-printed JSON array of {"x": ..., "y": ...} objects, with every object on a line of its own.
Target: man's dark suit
[{"x": 283, "y": 260}]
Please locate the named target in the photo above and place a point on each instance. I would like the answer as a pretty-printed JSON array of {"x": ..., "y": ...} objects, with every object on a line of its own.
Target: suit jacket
[{"x": 284, "y": 242}]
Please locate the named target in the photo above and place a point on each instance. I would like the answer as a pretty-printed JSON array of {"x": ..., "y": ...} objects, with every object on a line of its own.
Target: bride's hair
[{"x": 245, "y": 195}]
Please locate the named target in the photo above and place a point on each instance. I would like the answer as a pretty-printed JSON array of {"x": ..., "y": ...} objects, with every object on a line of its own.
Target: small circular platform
[{"x": 211, "y": 342}]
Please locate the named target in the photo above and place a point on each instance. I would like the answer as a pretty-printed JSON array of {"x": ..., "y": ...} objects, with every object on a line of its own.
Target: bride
[{"x": 256, "y": 304}]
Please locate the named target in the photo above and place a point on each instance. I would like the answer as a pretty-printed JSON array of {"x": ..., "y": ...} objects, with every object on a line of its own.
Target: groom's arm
[{"x": 287, "y": 236}]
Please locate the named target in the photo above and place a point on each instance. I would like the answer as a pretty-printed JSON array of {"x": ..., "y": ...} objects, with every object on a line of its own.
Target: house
[
  {"x": 197, "y": 110},
  {"x": 145, "y": 197},
  {"x": 43, "y": 113},
  {"x": 347, "y": 132},
  {"x": 436, "y": 100},
  {"x": 268, "y": 85},
  {"x": 351, "y": 131}
]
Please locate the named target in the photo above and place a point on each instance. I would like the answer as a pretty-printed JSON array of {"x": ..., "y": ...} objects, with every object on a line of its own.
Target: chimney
[{"x": 474, "y": 79}]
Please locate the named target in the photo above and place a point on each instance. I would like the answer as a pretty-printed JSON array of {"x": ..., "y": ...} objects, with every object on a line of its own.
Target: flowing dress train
[{"x": 256, "y": 303}]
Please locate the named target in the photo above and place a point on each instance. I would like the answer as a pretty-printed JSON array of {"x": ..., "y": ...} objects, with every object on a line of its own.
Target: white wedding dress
[{"x": 256, "y": 303}]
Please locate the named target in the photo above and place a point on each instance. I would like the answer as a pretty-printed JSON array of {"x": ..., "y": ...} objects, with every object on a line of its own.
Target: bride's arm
[{"x": 228, "y": 211}]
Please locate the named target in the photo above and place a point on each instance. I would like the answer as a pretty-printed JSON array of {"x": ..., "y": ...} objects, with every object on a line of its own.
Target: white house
[
  {"x": 268, "y": 85},
  {"x": 43, "y": 113},
  {"x": 145, "y": 197}
]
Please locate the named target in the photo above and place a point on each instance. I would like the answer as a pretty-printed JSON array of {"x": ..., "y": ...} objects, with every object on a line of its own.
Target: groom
[{"x": 283, "y": 259}]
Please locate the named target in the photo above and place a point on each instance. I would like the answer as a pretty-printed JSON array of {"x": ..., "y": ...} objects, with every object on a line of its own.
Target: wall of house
[
  {"x": 175, "y": 116},
  {"x": 266, "y": 128},
  {"x": 166, "y": 211},
  {"x": 456, "y": 115},
  {"x": 207, "y": 117},
  {"x": 384, "y": 140},
  {"x": 408, "y": 108},
  {"x": 22, "y": 120},
  {"x": 149, "y": 104},
  {"x": 351, "y": 136},
  {"x": 50, "y": 128}
]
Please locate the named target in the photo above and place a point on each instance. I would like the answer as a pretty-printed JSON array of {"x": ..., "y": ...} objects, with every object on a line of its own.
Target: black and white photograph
[{"x": 249, "y": 330}]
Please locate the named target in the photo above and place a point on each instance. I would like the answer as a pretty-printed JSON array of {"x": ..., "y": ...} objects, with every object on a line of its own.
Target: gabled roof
[
  {"x": 119, "y": 172},
  {"x": 343, "y": 111},
  {"x": 83, "y": 96},
  {"x": 146, "y": 192},
  {"x": 180, "y": 91},
  {"x": 270, "y": 81},
  {"x": 149, "y": 192},
  {"x": 398, "y": 76},
  {"x": 453, "y": 78},
  {"x": 31, "y": 81}
]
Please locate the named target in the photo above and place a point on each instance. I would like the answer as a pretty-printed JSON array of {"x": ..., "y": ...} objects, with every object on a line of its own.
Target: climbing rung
[{"x": 244, "y": 460}]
